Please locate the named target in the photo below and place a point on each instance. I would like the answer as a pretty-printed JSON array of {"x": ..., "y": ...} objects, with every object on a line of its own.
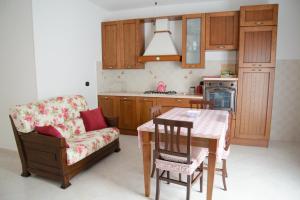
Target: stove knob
[
  {"x": 231, "y": 84},
  {"x": 209, "y": 84}
]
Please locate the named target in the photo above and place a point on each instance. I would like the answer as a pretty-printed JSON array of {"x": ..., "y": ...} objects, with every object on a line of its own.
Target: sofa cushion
[
  {"x": 71, "y": 127},
  {"x": 93, "y": 119},
  {"x": 85, "y": 144},
  {"x": 52, "y": 111}
]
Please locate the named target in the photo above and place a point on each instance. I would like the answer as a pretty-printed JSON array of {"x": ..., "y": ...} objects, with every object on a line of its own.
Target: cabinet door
[
  {"x": 254, "y": 108},
  {"x": 257, "y": 46},
  {"x": 222, "y": 30},
  {"x": 110, "y": 45},
  {"x": 131, "y": 43},
  {"x": 128, "y": 118},
  {"x": 109, "y": 105},
  {"x": 260, "y": 15},
  {"x": 144, "y": 105},
  {"x": 193, "y": 41},
  {"x": 169, "y": 103}
]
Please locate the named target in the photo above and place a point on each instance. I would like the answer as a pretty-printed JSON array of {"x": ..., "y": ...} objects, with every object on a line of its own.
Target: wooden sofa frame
[{"x": 47, "y": 157}]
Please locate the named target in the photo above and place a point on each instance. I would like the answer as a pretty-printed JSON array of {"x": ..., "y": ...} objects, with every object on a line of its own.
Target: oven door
[{"x": 223, "y": 98}]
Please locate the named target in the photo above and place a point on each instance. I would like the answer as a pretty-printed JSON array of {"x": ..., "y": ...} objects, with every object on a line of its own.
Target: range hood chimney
[{"x": 161, "y": 47}]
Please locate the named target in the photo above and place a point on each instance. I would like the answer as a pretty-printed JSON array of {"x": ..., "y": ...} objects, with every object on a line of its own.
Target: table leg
[
  {"x": 146, "y": 138},
  {"x": 212, "y": 156}
]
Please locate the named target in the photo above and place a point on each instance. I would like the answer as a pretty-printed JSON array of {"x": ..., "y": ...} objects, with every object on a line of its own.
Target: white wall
[
  {"x": 17, "y": 67},
  {"x": 67, "y": 45}
]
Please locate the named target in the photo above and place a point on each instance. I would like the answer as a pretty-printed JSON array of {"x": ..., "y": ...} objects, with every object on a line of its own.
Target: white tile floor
[{"x": 254, "y": 173}]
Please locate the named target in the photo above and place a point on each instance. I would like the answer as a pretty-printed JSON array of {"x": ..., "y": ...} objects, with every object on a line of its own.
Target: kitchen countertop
[
  {"x": 220, "y": 79},
  {"x": 141, "y": 94}
]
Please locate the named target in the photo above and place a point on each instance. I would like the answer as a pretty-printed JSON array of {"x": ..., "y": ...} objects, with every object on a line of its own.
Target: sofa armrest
[
  {"x": 36, "y": 138},
  {"x": 112, "y": 121}
]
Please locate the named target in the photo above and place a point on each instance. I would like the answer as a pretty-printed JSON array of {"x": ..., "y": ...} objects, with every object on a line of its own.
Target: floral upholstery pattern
[
  {"x": 178, "y": 164},
  {"x": 53, "y": 111},
  {"x": 71, "y": 127},
  {"x": 85, "y": 144}
]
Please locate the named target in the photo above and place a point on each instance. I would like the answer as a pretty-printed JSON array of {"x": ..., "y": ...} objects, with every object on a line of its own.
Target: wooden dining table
[{"x": 209, "y": 131}]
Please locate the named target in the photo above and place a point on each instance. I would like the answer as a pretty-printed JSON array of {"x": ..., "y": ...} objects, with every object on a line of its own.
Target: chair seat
[
  {"x": 80, "y": 146},
  {"x": 179, "y": 164}
]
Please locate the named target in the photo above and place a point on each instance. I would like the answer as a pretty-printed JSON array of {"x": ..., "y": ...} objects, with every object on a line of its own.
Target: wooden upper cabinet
[
  {"x": 132, "y": 45},
  {"x": 257, "y": 46},
  {"x": 122, "y": 43},
  {"x": 127, "y": 113},
  {"x": 193, "y": 41},
  {"x": 254, "y": 108},
  {"x": 144, "y": 105},
  {"x": 260, "y": 15},
  {"x": 222, "y": 30},
  {"x": 110, "y": 45}
]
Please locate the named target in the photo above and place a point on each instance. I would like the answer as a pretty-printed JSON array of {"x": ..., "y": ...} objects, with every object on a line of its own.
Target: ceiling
[{"x": 114, "y": 5}]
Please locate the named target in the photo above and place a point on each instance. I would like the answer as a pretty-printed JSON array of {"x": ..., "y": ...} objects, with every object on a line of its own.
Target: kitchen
[{"x": 206, "y": 55}]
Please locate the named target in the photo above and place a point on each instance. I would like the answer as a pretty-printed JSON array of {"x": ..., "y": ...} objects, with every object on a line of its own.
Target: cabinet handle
[
  {"x": 259, "y": 65},
  {"x": 221, "y": 47},
  {"x": 110, "y": 67},
  {"x": 258, "y": 23},
  {"x": 124, "y": 98},
  {"x": 105, "y": 97},
  {"x": 157, "y": 58},
  {"x": 179, "y": 100},
  {"x": 259, "y": 70},
  {"x": 253, "y": 70},
  {"x": 253, "y": 65},
  {"x": 145, "y": 99}
]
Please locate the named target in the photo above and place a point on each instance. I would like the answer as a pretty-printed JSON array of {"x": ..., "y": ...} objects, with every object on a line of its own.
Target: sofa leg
[
  {"x": 66, "y": 183},
  {"x": 25, "y": 174},
  {"x": 117, "y": 149}
]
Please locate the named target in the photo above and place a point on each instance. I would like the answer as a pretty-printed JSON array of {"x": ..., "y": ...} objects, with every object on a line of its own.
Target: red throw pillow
[
  {"x": 93, "y": 119},
  {"x": 49, "y": 131}
]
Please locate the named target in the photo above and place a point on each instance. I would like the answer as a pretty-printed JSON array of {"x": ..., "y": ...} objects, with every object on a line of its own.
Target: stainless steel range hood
[{"x": 161, "y": 47}]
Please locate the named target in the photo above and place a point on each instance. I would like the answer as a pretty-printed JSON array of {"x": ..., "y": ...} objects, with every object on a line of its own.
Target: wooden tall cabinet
[
  {"x": 122, "y": 43},
  {"x": 257, "y": 56},
  {"x": 222, "y": 30},
  {"x": 254, "y": 107},
  {"x": 257, "y": 46}
]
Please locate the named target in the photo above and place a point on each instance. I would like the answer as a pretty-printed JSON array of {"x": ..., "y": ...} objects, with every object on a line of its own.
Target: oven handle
[{"x": 220, "y": 89}]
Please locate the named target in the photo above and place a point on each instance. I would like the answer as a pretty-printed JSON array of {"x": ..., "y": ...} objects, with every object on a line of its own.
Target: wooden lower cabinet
[
  {"x": 127, "y": 115},
  {"x": 169, "y": 103},
  {"x": 109, "y": 105},
  {"x": 134, "y": 111},
  {"x": 143, "y": 105},
  {"x": 254, "y": 106}
]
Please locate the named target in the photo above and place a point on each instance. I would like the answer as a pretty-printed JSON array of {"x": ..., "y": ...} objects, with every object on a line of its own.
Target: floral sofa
[{"x": 60, "y": 158}]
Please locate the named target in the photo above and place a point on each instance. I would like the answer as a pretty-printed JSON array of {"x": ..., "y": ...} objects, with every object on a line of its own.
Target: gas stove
[{"x": 172, "y": 92}]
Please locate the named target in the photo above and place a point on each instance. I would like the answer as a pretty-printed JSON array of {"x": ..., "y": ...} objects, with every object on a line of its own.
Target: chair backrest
[
  {"x": 155, "y": 111},
  {"x": 229, "y": 131},
  {"x": 201, "y": 104},
  {"x": 168, "y": 141}
]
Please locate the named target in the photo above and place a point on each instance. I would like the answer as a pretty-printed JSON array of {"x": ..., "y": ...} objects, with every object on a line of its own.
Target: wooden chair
[
  {"x": 170, "y": 156},
  {"x": 155, "y": 111},
  {"x": 201, "y": 104}
]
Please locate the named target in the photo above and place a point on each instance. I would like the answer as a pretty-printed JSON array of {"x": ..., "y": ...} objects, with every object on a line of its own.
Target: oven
[{"x": 221, "y": 93}]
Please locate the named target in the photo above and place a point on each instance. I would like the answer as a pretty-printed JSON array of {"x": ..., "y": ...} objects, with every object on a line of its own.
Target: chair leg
[
  {"x": 224, "y": 175},
  {"x": 153, "y": 166},
  {"x": 201, "y": 177},
  {"x": 225, "y": 167},
  {"x": 157, "y": 185},
  {"x": 188, "y": 188},
  {"x": 168, "y": 176}
]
